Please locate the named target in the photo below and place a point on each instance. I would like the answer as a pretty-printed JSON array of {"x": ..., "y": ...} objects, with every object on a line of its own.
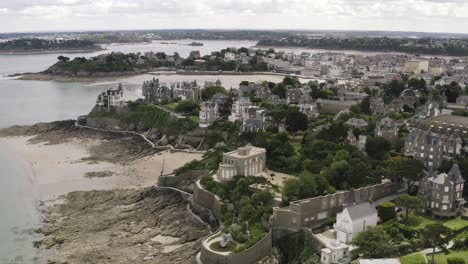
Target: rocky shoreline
[
  {"x": 121, "y": 226},
  {"x": 76, "y": 78},
  {"x": 112, "y": 215}
]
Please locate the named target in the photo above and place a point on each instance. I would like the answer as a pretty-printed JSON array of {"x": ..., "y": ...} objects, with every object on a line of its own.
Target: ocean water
[
  {"x": 18, "y": 213},
  {"x": 29, "y": 102}
]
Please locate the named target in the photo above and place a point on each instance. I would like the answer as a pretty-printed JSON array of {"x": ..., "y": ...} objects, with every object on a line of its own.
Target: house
[
  {"x": 293, "y": 95},
  {"x": 253, "y": 119},
  {"x": 209, "y": 111},
  {"x": 229, "y": 56},
  {"x": 357, "y": 123},
  {"x": 111, "y": 99},
  {"x": 436, "y": 139},
  {"x": 416, "y": 66},
  {"x": 387, "y": 128},
  {"x": 310, "y": 109},
  {"x": 238, "y": 109},
  {"x": 208, "y": 114},
  {"x": 186, "y": 91},
  {"x": 354, "y": 219},
  {"x": 431, "y": 147},
  {"x": 354, "y": 96},
  {"x": 443, "y": 193},
  {"x": 244, "y": 161},
  {"x": 358, "y": 141},
  {"x": 156, "y": 93},
  {"x": 377, "y": 106}
]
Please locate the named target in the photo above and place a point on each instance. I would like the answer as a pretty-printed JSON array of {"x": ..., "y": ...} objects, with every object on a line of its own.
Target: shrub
[
  {"x": 455, "y": 260},
  {"x": 386, "y": 211},
  {"x": 238, "y": 234}
]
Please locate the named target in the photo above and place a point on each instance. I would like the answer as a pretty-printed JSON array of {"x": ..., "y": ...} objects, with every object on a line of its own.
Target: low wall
[
  {"x": 315, "y": 211},
  {"x": 207, "y": 199},
  {"x": 253, "y": 254},
  {"x": 183, "y": 181}
]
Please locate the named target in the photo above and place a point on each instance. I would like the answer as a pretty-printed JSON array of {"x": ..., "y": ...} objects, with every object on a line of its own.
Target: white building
[
  {"x": 111, "y": 98},
  {"x": 353, "y": 220},
  {"x": 244, "y": 161},
  {"x": 208, "y": 114},
  {"x": 229, "y": 56},
  {"x": 238, "y": 109}
]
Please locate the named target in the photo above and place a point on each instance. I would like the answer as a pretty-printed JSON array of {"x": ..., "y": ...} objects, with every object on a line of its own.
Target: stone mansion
[{"x": 244, "y": 161}]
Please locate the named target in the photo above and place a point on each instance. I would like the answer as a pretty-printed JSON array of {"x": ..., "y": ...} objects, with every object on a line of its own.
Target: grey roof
[
  {"x": 361, "y": 210},
  {"x": 357, "y": 122},
  {"x": 456, "y": 174}
]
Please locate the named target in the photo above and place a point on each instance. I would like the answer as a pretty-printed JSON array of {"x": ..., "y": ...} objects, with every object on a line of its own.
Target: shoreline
[
  {"x": 73, "y": 170},
  {"x": 72, "y": 166},
  {"x": 31, "y": 52}
]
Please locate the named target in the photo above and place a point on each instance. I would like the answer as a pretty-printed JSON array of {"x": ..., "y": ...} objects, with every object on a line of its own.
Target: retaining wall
[
  {"x": 183, "y": 181},
  {"x": 207, "y": 199},
  {"x": 253, "y": 254},
  {"x": 315, "y": 211}
]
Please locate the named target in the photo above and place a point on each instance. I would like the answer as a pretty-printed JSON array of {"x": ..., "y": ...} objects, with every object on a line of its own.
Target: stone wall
[
  {"x": 183, "y": 181},
  {"x": 253, "y": 254},
  {"x": 207, "y": 199},
  {"x": 315, "y": 211}
]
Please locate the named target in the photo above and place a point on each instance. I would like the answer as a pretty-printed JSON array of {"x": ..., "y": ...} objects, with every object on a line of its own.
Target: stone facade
[
  {"x": 111, "y": 99},
  {"x": 443, "y": 193},
  {"x": 387, "y": 128},
  {"x": 245, "y": 161},
  {"x": 432, "y": 147}
]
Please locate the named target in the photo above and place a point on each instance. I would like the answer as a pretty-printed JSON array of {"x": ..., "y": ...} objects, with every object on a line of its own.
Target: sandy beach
[{"x": 70, "y": 166}]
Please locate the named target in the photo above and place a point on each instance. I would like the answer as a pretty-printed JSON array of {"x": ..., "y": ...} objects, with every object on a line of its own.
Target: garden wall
[
  {"x": 207, "y": 199},
  {"x": 315, "y": 211},
  {"x": 253, "y": 254}
]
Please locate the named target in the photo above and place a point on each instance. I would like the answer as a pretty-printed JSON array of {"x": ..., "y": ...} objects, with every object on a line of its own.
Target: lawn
[
  {"x": 441, "y": 258},
  {"x": 420, "y": 220},
  {"x": 171, "y": 105},
  {"x": 195, "y": 118},
  {"x": 216, "y": 246},
  {"x": 416, "y": 258}
]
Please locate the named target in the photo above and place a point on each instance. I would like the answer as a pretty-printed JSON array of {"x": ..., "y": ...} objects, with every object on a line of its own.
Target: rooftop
[{"x": 244, "y": 152}]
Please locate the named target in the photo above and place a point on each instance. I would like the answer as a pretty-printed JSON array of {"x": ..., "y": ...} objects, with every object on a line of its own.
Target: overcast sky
[{"x": 396, "y": 15}]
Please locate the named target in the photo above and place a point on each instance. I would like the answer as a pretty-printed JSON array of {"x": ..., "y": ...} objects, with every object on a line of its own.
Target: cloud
[{"x": 429, "y": 15}]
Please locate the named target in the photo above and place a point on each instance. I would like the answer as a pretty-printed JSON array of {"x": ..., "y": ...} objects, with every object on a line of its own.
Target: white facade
[
  {"x": 238, "y": 109},
  {"x": 244, "y": 161},
  {"x": 353, "y": 220}
]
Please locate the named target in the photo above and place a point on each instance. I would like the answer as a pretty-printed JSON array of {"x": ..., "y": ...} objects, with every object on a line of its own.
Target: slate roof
[
  {"x": 456, "y": 174},
  {"x": 361, "y": 210}
]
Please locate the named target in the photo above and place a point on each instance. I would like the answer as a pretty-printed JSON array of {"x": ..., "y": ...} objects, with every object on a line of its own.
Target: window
[
  {"x": 437, "y": 205},
  {"x": 444, "y": 207},
  {"x": 421, "y": 155},
  {"x": 322, "y": 215},
  {"x": 432, "y": 149},
  {"x": 446, "y": 189}
]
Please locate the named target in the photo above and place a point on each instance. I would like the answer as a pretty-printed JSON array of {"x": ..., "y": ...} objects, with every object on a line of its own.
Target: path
[{"x": 168, "y": 146}]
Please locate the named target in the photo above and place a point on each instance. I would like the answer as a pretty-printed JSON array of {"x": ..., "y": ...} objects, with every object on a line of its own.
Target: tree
[
  {"x": 295, "y": 120},
  {"x": 386, "y": 211},
  {"x": 436, "y": 235},
  {"x": 280, "y": 90},
  {"x": 409, "y": 203},
  {"x": 290, "y": 81},
  {"x": 291, "y": 188},
  {"x": 63, "y": 58},
  {"x": 404, "y": 168},
  {"x": 187, "y": 106},
  {"x": 373, "y": 242},
  {"x": 209, "y": 92},
  {"x": 377, "y": 147},
  {"x": 364, "y": 107}
]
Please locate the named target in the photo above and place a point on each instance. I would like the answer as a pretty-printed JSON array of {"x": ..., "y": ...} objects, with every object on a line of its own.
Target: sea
[{"x": 30, "y": 102}]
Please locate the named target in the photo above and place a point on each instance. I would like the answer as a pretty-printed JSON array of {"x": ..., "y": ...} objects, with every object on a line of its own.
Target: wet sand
[{"x": 62, "y": 168}]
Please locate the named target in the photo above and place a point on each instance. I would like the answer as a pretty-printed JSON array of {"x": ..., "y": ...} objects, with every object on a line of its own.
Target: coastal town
[
  {"x": 365, "y": 161},
  {"x": 234, "y": 132}
]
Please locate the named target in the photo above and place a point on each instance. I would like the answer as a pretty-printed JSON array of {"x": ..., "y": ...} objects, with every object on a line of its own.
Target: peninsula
[{"x": 36, "y": 45}]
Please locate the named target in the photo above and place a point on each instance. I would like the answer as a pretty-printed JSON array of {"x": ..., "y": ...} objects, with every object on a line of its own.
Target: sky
[{"x": 392, "y": 15}]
